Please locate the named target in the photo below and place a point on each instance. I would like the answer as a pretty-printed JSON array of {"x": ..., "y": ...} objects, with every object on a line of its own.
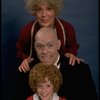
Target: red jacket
[{"x": 69, "y": 44}]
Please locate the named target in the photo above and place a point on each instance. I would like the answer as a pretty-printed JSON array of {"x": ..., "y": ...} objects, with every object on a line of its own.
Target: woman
[
  {"x": 45, "y": 81},
  {"x": 46, "y": 12}
]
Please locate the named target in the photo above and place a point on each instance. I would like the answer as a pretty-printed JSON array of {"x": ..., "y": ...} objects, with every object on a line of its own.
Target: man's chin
[{"x": 46, "y": 63}]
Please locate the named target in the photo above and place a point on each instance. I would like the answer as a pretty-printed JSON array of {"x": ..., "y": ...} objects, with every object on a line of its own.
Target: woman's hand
[
  {"x": 24, "y": 67},
  {"x": 73, "y": 58}
]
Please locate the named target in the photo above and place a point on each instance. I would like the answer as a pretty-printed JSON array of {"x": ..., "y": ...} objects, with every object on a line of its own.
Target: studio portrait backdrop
[{"x": 83, "y": 15}]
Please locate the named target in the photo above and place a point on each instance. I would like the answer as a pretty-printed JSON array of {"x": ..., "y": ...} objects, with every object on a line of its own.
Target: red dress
[
  {"x": 65, "y": 32},
  {"x": 31, "y": 98}
]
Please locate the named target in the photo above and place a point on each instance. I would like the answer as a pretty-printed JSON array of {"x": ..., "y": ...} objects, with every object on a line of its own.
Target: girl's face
[
  {"x": 45, "y": 90},
  {"x": 45, "y": 15}
]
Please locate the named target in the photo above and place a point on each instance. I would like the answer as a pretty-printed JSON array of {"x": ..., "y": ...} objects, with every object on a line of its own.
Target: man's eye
[
  {"x": 39, "y": 46},
  {"x": 50, "y": 45}
]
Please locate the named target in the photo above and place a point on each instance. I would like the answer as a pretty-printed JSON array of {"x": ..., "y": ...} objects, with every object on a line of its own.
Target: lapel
[{"x": 64, "y": 62}]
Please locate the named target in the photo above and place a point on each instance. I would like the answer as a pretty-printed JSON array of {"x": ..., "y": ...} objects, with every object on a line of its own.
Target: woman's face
[
  {"x": 45, "y": 15},
  {"x": 45, "y": 90}
]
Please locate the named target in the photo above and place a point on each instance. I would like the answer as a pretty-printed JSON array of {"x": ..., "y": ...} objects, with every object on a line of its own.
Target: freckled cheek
[
  {"x": 50, "y": 91},
  {"x": 39, "y": 92}
]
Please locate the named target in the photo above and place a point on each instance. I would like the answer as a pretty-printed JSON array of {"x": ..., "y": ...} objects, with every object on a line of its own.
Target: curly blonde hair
[
  {"x": 31, "y": 5},
  {"x": 40, "y": 72}
]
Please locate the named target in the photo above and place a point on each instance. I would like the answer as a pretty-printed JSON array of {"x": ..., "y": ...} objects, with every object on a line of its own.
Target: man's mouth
[{"x": 46, "y": 59}]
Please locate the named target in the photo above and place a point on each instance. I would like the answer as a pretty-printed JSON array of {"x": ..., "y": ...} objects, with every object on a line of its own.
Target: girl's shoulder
[
  {"x": 30, "y": 98},
  {"x": 62, "y": 98}
]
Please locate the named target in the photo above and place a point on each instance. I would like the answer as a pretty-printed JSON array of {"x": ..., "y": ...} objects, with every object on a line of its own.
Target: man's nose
[{"x": 45, "y": 49}]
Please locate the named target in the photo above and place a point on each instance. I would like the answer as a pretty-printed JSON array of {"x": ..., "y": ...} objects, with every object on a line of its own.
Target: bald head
[{"x": 46, "y": 31}]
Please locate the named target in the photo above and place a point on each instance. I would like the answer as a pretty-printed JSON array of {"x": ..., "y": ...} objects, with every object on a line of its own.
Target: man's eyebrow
[
  {"x": 48, "y": 43},
  {"x": 38, "y": 43}
]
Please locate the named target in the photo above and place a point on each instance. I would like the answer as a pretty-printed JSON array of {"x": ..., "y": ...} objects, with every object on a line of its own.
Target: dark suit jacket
[{"x": 77, "y": 81}]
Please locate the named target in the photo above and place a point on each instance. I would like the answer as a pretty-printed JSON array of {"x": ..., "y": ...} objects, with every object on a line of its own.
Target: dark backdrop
[{"x": 82, "y": 14}]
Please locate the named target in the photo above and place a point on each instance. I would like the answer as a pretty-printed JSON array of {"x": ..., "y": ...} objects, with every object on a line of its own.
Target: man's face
[{"x": 47, "y": 46}]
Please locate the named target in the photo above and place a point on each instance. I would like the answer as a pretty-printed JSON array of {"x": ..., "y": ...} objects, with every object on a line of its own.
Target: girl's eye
[
  {"x": 48, "y": 85},
  {"x": 39, "y": 86}
]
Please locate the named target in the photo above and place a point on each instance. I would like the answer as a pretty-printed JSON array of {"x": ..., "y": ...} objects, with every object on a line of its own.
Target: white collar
[
  {"x": 56, "y": 63},
  {"x": 55, "y": 97}
]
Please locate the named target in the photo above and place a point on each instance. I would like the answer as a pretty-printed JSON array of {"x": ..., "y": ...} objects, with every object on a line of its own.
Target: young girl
[{"x": 45, "y": 81}]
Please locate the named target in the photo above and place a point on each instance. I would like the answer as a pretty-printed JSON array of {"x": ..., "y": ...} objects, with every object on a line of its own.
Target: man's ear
[{"x": 58, "y": 44}]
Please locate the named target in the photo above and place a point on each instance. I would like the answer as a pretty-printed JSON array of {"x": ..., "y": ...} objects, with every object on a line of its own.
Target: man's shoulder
[{"x": 65, "y": 61}]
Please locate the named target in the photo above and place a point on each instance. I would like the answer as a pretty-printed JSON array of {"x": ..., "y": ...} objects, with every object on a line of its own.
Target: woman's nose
[{"x": 44, "y": 13}]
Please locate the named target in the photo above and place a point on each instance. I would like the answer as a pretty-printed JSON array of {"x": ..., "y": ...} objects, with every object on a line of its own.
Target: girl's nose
[{"x": 43, "y": 89}]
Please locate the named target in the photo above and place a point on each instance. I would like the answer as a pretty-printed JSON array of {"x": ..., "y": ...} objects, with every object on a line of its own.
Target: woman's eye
[
  {"x": 49, "y": 8},
  {"x": 38, "y": 9}
]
